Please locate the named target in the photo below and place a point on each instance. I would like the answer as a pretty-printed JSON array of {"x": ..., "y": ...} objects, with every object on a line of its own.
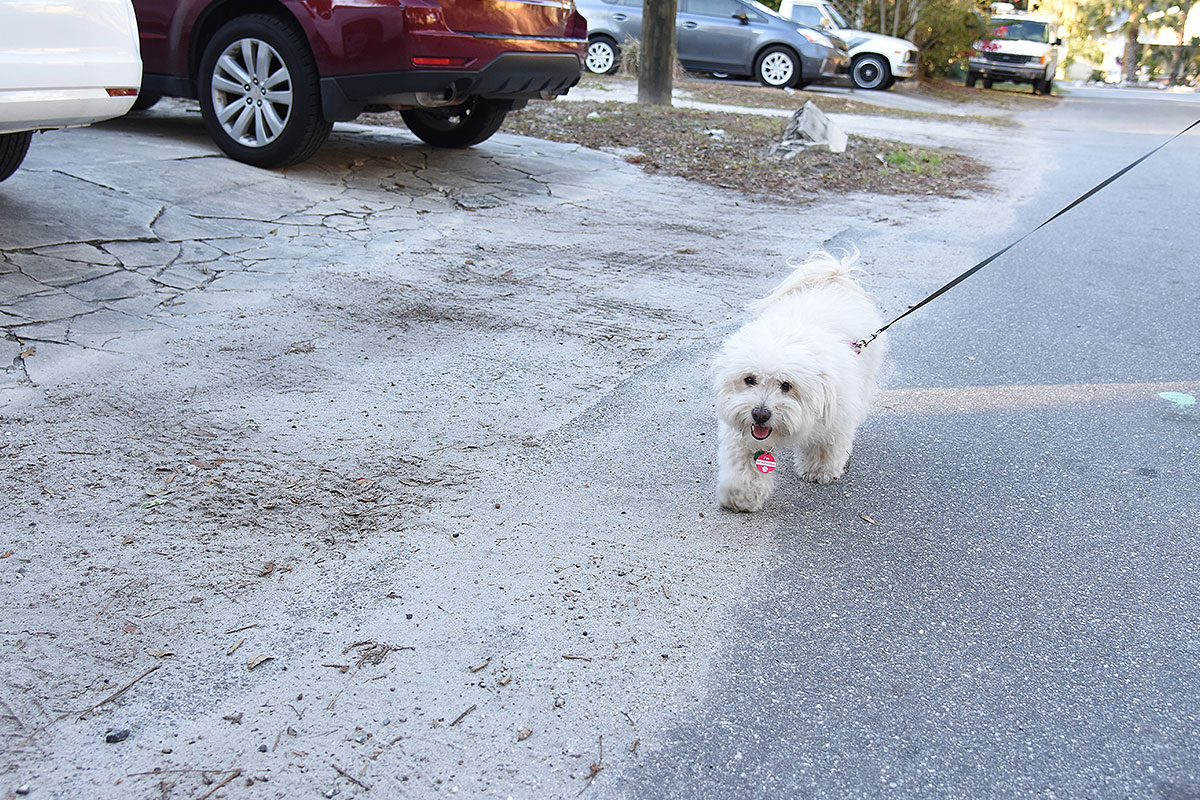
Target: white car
[
  {"x": 876, "y": 61},
  {"x": 63, "y": 63}
]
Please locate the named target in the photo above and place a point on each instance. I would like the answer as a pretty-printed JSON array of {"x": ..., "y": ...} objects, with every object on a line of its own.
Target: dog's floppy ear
[{"x": 828, "y": 396}]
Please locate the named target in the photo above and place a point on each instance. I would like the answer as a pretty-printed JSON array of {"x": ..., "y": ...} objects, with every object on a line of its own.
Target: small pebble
[
  {"x": 112, "y": 737},
  {"x": 262, "y": 748}
]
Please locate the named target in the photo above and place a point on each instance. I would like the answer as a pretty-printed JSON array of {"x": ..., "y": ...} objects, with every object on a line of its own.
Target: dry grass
[{"x": 733, "y": 151}]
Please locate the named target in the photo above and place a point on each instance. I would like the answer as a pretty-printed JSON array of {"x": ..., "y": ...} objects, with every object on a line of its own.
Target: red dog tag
[{"x": 764, "y": 462}]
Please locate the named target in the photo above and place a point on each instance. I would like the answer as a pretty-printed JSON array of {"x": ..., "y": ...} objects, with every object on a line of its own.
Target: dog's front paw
[
  {"x": 824, "y": 463},
  {"x": 823, "y": 476},
  {"x": 741, "y": 498}
]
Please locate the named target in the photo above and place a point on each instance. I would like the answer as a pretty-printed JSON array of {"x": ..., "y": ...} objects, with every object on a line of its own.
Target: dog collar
[{"x": 764, "y": 462}]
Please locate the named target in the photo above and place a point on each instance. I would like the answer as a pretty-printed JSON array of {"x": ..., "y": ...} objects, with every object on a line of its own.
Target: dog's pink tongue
[{"x": 760, "y": 431}]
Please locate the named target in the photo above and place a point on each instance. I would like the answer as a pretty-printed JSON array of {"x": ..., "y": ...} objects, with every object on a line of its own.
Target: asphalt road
[{"x": 1022, "y": 616}]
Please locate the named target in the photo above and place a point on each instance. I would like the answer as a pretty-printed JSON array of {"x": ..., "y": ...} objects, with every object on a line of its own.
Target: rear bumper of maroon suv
[{"x": 511, "y": 76}]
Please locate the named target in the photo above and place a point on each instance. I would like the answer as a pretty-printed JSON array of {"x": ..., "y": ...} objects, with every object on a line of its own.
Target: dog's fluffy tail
[{"x": 820, "y": 269}]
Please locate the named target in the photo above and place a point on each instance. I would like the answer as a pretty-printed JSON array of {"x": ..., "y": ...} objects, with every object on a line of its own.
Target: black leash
[{"x": 861, "y": 343}]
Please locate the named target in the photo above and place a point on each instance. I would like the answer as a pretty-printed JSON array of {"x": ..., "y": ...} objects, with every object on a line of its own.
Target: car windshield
[
  {"x": 757, "y": 6},
  {"x": 833, "y": 14},
  {"x": 1025, "y": 30}
]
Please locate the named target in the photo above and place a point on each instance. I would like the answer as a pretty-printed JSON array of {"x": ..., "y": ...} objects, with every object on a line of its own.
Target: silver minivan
[{"x": 735, "y": 37}]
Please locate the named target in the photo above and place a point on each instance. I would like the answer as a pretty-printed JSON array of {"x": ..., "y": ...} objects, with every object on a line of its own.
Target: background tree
[
  {"x": 1127, "y": 17},
  {"x": 1089, "y": 21},
  {"x": 656, "y": 61},
  {"x": 1178, "y": 21}
]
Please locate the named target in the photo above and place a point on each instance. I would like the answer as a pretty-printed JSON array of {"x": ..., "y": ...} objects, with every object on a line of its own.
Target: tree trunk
[
  {"x": 1177, "y": 61},
  {"x": 1130, "y": 58},
  {"x": 1131, "y": 41},
  {"x": 882, "y": 17},
  {"x": 656, "y": 66}
]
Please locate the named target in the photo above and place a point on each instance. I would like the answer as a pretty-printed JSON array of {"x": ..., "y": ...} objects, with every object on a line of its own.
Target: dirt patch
[{"x": 733, "y": 151}]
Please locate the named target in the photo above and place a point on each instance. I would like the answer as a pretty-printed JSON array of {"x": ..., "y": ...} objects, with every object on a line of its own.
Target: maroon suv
[{"x": 272, "y": 76}]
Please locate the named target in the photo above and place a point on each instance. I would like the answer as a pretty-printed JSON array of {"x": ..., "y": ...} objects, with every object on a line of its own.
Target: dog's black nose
[{"x": 761, "y": 415}]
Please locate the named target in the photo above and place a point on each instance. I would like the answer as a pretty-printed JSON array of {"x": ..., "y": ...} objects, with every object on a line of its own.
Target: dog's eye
[
  {"x": 751, "y": 380},
  {"x": 785, "y": 387}
]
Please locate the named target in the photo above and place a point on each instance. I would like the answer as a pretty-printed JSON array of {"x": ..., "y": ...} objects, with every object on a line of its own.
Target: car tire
[
  {"x": 987, "y": 83},
  {"x": 145, "y": 100},
  {"x": 777, "y": 67},
  {"x": 13, "y": 147},
  {"x": 603, "y": 55},
  {"x": 457, "y": 126},
  {"x": 271, "y": 115},
  {"x": 1042, "y": 87},
  {"x": 871, "y": 71},
  {"x": 972, "y": 77}
]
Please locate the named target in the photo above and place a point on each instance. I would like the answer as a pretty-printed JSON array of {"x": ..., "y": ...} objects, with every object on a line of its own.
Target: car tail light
[
  {"x": 437, "y": 61},
  {"x": 122, "y": 92}
]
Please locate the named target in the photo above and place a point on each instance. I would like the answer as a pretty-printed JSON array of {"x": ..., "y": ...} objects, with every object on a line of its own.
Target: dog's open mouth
[{"x": 760, "y": 431}]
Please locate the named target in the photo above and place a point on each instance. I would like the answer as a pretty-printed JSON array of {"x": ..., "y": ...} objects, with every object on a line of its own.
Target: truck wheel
[
  {"x": 777, "y": 67},
  {"x": 971, "y": 78},
  {"x": 457, "y": 126},
  {"x": 259, "y": 92},
  {"x": 603, "y": 57},
  {"x": 13, "y": 147},
  {"x": 871, "y": 71},
  {"x": 987, "y": 83}
]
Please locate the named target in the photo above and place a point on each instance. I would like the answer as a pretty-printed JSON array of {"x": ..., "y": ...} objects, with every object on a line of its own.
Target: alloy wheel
[
  {"x": 252, "y": 92},
  {"x": 776, "y": 69},
  {"x": 600, "y": 58}
]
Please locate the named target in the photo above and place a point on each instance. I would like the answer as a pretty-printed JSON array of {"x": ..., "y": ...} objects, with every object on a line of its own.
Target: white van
[
  {"x": 63, "y": 63},
  {"x": 1022, "y": 49},
  {"x": 876, "y": 61}
]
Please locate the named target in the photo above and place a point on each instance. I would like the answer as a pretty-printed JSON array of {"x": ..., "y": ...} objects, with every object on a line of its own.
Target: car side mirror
[{"x": 742, "y": 18}]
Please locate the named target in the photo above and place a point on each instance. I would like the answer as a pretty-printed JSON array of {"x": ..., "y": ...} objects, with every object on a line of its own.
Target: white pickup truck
[
  {"x": 1021, "y": 49},
  {"x": 876, "y": 61},
  {"x": 63, "y": 63}
]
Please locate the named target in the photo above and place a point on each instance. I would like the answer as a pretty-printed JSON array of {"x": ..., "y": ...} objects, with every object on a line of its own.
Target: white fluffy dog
[{"x": 793, "y": 379}]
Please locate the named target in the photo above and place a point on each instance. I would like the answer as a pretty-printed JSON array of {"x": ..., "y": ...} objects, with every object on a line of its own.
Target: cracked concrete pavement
[{"x": 389, "y": 470}]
